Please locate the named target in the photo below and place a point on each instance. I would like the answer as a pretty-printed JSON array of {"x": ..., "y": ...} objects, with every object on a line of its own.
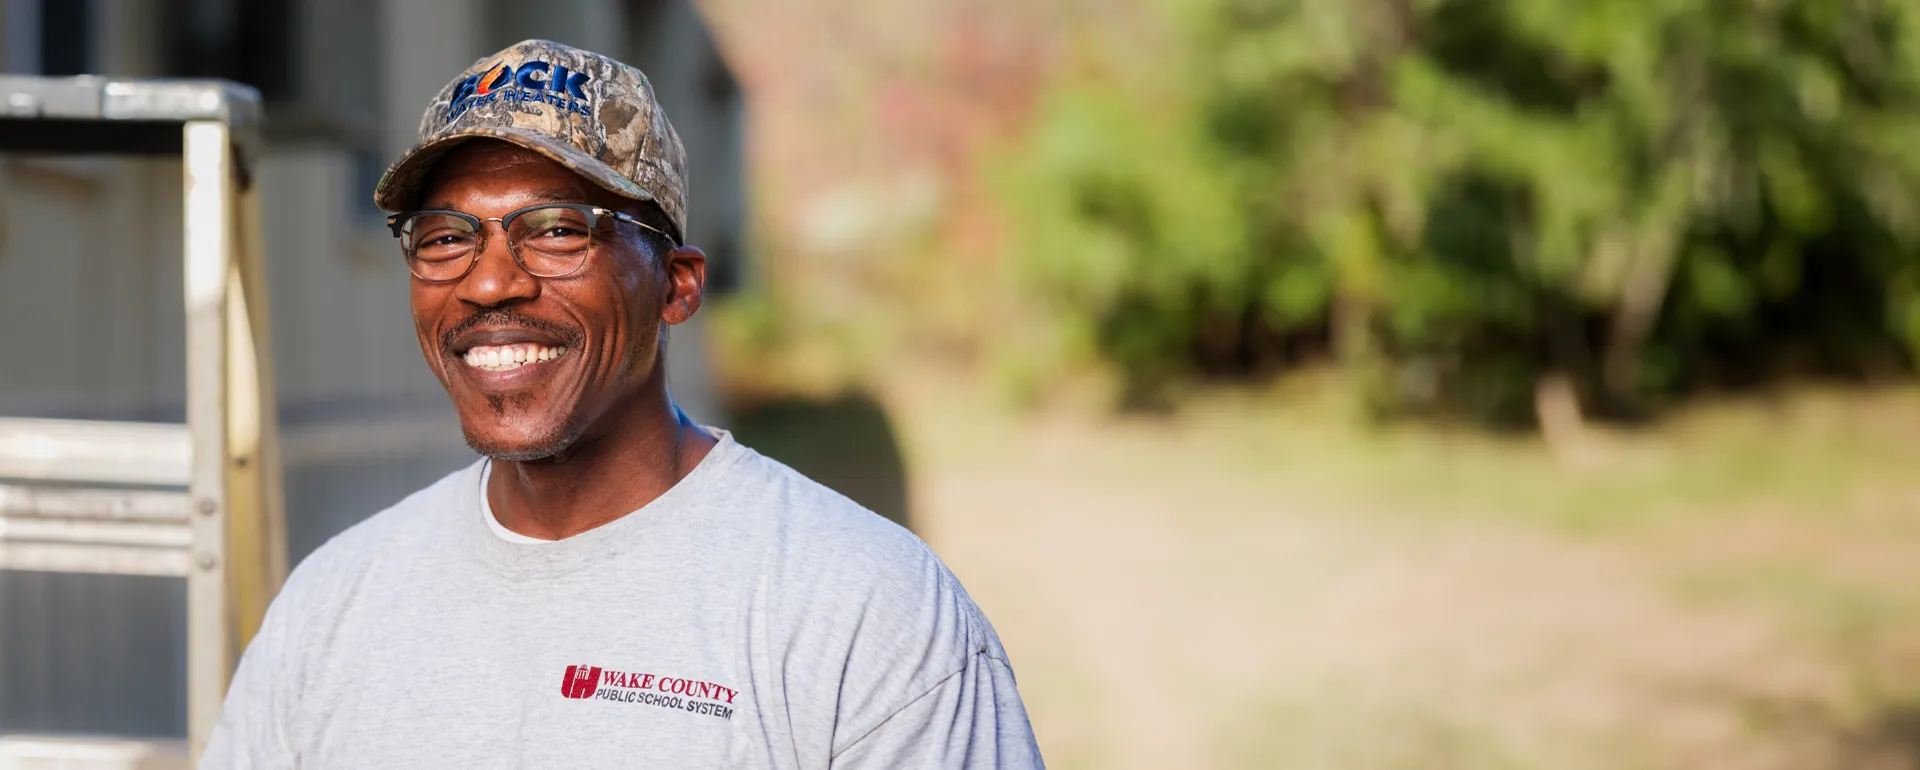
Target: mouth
[{"x": 506, "y": 358}]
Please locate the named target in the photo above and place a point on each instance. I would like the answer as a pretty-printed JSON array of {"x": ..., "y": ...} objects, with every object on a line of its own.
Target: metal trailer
[{"x": 201, "y": 500}]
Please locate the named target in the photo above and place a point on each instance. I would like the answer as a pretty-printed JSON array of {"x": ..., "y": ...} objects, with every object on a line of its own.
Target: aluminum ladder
[{"x": 200, "y": 501}]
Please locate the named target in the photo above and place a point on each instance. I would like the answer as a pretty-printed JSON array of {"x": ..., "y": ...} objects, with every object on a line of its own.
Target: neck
[{"x": 632, "y": 456}]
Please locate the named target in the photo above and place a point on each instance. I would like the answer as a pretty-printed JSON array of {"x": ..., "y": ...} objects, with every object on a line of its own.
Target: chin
[{"x": 517, "y": 446}]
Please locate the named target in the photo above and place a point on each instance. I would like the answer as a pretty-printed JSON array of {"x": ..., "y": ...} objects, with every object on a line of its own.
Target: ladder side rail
[
  {"x": 209, "y": 179},
  {"x": 226, "y": 532},
  {"x": 256, "y": 531}
]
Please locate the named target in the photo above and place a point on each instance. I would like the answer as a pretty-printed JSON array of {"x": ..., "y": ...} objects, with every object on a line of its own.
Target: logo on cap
[{"x": 532, "y": 82}]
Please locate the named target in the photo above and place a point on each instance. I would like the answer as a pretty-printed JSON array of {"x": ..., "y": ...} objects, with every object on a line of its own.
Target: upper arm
[
  {"x": 925, "y": 681},
  {"x": 883, "y": 659},
  {"x": 973, "y": 719}
]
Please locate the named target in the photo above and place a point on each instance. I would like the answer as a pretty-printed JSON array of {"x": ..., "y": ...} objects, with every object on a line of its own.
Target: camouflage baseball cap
[{"x": 585, "y": 111}]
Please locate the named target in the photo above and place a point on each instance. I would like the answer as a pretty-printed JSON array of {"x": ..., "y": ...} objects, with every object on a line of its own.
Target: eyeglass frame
[{"x": 397, "y": 222}]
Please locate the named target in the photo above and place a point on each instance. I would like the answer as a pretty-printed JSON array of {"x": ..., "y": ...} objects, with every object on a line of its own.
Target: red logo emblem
[{"x": 580, "y": 681}]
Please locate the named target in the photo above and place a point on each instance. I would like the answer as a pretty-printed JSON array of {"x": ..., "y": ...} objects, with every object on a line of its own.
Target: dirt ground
[{"x": 1213, "y": 590}]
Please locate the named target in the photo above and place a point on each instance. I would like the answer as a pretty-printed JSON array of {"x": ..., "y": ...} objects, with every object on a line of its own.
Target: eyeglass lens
[{"x": 548, "y": 242}]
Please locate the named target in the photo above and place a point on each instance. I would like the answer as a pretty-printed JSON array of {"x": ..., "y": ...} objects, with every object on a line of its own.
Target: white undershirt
[{"x": 493, "y": 523}]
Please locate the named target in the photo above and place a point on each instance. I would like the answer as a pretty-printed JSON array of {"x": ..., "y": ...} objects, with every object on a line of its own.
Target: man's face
[{"x": 532, "y": 364}]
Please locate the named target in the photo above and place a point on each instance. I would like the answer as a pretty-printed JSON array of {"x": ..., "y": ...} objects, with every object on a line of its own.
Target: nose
[{"x": 496, "y": 279}]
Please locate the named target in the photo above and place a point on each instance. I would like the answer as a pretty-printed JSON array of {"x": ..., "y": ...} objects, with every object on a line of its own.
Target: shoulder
[
  {"x": 825, "y": 548},
  {"x": 862, "y": 593},
  {"x": 821, "y": 529}
]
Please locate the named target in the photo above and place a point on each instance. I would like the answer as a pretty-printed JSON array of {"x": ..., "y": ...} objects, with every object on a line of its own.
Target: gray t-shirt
[{"x": 749, "y": 617}]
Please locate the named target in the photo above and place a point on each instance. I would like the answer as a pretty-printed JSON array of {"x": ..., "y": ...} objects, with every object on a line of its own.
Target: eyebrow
[{"x": 554, "y": 195}]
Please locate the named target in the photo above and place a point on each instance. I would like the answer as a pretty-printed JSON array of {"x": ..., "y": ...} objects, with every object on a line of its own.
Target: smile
[{"x": 501, "y": 358}]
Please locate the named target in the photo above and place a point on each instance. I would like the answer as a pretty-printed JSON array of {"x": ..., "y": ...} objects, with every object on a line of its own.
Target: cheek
[
  {"x": 634, "y": 274},
  {"x": 626, "y": 324},
  {"x": 426, "y": 306},
  {"x": 634, "y": 300}
]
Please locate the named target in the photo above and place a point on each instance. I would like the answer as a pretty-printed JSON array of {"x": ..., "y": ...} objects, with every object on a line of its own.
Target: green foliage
[
  {"x": 1138, "y": 223},
  {"x": 1459, "y": 197}
]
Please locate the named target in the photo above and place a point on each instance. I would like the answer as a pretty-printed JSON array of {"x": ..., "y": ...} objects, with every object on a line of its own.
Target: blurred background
[{"x": 1295, "y": 383}]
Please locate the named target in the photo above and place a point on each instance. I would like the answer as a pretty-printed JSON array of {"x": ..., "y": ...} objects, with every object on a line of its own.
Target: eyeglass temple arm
[{"x": 621, "y": 216}]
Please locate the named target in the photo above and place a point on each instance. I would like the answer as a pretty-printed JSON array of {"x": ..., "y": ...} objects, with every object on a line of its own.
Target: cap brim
[{"x": 400, "y": 187}]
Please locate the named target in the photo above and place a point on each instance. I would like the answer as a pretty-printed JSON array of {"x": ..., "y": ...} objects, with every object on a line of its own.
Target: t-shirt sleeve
[
  {"x": 252, "y": 731},
  {"x": 882, "y": 659},
  {"x": 973, "y": 720}
]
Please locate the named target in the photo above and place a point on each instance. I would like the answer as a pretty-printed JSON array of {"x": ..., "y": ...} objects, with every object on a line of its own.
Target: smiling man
[{"x": 612, "y": 585}]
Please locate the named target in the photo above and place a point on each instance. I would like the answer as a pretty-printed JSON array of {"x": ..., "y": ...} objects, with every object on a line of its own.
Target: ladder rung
[
  {"x": 92, "y": 504},
  {"x": 97, "y": 559},
  {"x": 35, "y": 752},
  {"x": 137, "y": 532},
  {"x": 21, "y": 529},
  {"x": 94, "y": 451}
]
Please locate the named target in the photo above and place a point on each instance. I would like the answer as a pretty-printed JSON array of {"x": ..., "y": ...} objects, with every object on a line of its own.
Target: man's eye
[{"x": 446, "y": 244}]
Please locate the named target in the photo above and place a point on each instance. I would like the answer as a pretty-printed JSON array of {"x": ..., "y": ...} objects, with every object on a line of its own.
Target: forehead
[{"x": 489, "y": 167}]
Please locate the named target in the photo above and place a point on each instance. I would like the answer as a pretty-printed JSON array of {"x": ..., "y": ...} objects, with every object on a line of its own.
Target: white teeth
[{"x": 502, "y": 358}]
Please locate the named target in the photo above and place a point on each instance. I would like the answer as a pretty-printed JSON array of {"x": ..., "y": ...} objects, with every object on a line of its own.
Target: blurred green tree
[{"x": 1459, "y": 199}]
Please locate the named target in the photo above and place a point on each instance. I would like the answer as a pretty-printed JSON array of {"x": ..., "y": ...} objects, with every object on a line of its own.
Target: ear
[{"x": 686, "y": 285}]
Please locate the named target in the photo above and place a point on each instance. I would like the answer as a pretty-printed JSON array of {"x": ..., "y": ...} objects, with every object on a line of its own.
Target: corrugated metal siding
[{"x": 99, "y": 653}]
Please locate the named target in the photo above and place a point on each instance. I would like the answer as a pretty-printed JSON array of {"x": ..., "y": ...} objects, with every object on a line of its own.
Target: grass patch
[
  {"x": 1809, "y": 452},
  {"x": 1728, "y": 587}
]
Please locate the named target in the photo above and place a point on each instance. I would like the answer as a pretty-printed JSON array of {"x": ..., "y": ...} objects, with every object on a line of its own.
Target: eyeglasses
[{"x": 548, "y": 240}]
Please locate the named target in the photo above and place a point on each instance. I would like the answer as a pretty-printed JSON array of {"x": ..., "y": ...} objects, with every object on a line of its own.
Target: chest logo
[
  {"x": 581, "y": 681},
  {"x": 693, "y": 696}
]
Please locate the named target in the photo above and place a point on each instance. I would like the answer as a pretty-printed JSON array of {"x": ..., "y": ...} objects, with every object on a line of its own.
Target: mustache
[{"x": 568, "y": 335}]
